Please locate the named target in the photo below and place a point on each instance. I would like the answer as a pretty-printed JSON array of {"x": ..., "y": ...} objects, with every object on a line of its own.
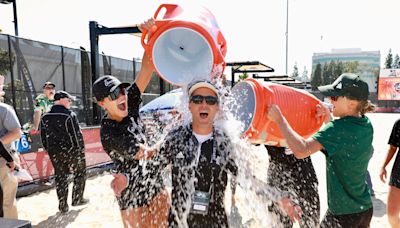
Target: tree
[
  {"x": 396, "y": 62},
  {"x": 325, "y": 74},
  {"x": 243, "y": 76},
  {"x": 389, "y": 60},
  {"x": 351, "y": 67},
  {"x": 295, "y": 73},
  {"x": 338, "y": 70},
  {"x": 5, "y": 61},
  {"x": 304, "y": 75},
  {"x": 316, "y": 78}
]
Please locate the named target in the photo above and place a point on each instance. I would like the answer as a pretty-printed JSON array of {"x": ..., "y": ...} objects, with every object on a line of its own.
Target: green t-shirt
[
  {"x": 43, "y": 103},
  {"x": 348, "y": 147}
]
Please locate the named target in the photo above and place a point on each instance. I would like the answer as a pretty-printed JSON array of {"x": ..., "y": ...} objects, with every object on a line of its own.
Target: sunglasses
[
  {"x": 198, "y": 99},
  {"x": 116, "y": 92},
  {"x": 49, "y": 87},
  {"x": 334, "y": 98}
]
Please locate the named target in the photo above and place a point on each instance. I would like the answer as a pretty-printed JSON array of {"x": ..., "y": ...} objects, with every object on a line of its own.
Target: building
[{"x": 368, "y": 63}]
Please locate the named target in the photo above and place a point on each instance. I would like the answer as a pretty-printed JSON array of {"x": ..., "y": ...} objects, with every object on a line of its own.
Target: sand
[{"x": 102, "y": 211}]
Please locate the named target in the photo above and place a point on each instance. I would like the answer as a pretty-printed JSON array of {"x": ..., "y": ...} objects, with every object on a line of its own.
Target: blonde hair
[{"x": 365, "y": 106}]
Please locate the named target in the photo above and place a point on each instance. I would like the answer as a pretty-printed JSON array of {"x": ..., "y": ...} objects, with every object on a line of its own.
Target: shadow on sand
[
  {"x": 379, "y": 207},
  {"x": 59, "y": 220}
]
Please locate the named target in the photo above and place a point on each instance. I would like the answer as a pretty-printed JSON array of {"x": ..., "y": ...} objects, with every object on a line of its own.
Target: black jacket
[
  {"x": 60, "y": 131},
  {"x": 216, "y": 160}
]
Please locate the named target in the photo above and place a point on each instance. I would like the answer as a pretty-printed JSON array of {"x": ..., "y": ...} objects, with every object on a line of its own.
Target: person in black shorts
[
  {"x": 298, "y": 178},
  {"x": 393, "y": 205},
  {"x": 139, "y": 189}
]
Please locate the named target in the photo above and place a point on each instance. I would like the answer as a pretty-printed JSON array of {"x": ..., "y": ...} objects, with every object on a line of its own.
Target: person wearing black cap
[
  {"x": 347, "y": 144},
  {"x": 142, "y": 198},
  {"x": 63, "y": 140},
  {"x": 43, "y": 103}
]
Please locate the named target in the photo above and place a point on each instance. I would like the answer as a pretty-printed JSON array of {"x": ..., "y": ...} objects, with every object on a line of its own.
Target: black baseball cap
[
  {"x": 347, "y": 85},
  {"x": 48, "y": 83},
  {"x": 62, "y": 94},
  {"x": 104, "y": 85}
]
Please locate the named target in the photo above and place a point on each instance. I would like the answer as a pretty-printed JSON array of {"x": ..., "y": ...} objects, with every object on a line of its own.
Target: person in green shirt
[
  {"x": 43, "y": 104},
  {"x": 346, "y": 142}
]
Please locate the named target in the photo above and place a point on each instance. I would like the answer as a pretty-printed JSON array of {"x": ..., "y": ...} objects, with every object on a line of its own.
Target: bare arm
[
  {"x": 301, "y": 147},
  {"x": 147, "y": 68},
  {"x": 391, "y": 151},
  {"x": 36, "y": 119},
  {"x": 11, "y": 136}
]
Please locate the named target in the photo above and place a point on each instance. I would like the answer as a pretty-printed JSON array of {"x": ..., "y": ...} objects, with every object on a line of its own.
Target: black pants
[
  {"x": 296, "y": 176},
  {"x": 356, "y": 220},
  {"x": 63, "y": 163}
]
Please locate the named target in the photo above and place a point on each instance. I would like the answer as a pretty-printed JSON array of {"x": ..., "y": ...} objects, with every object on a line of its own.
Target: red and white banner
[{"x": 389, "y": 84}]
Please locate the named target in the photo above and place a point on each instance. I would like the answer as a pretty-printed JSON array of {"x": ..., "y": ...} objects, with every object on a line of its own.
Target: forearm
[
  {"x": 145, "y": 73},
  {"x": 36, "y": 119},
  {"x": 389, "y": 156},
  {"x": 11, "y": 136},
  {"x": 296, "y": 143}
]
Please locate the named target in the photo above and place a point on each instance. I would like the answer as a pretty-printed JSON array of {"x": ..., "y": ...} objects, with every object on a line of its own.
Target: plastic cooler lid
[{"x": 244, "y": 104}]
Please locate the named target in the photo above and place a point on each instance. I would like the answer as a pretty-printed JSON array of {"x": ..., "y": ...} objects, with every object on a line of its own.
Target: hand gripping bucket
[
  {"x": 186, "y": 45},
  {"x": 251, "y": 101}
]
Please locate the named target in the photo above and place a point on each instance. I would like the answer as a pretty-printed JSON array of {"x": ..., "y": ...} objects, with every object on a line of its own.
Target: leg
[
  {"x": 134, "y": 217},
  {"x": 9, "y": 184},
  {"x": 159, "y": 209},
  {"x": 393, "y": 207},
  {"x": 61, "y": 172},
  {"x": 79, "y": 181}
]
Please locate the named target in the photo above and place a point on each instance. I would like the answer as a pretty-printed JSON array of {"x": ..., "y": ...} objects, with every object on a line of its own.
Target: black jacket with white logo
[{"x": 60, "y": 131}]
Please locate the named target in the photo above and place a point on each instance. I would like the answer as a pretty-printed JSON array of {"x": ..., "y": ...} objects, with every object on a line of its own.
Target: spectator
[
  {"x": 10, "y": 130},
  {"x": 393, "y": 205},
  {"x": 347, "y": 145},
  {"x": 43, "y": 103},
  {"x": 62, "y": 138}
]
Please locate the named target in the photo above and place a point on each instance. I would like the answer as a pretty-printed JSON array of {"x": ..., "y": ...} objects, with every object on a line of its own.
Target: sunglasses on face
[
  {"x": 49, "y": 87},
  {"x": 198, "y": 99},
  {"x": 334, "y": 98},
  {"x": 116, "y": 92}
]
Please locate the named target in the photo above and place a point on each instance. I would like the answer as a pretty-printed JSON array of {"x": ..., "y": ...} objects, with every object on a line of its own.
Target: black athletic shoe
[
  {"x": 83, "y": 201},
  {"x": 63, "y": 208}
]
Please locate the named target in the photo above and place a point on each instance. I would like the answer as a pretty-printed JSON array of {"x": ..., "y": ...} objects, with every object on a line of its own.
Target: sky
[{"x": 254, "y": 29}]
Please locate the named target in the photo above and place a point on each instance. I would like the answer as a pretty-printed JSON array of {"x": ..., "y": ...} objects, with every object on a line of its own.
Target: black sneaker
[
  {"x": 63, "y": 208},
  {"x": 83, "y": 201}
]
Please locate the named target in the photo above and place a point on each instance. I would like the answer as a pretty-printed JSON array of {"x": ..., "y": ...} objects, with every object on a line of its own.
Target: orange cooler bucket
[
  {"x": 186, "y": 45},
  {"x": 252, "y": 99}
]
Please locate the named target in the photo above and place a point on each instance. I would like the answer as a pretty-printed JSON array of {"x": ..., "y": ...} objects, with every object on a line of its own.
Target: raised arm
[
  {"x": 301, "y": 147},
  {"x": 147, "y": 69}
]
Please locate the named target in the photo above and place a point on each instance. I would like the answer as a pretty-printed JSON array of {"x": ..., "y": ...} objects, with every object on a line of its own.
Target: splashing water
[{"x": 252, "y": 195}]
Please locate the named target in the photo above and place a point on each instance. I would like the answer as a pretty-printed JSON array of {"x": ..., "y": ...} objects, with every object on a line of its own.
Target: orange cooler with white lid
[
  {"x": 186, "y": 45},
  {"x": 250, "y": 106}
]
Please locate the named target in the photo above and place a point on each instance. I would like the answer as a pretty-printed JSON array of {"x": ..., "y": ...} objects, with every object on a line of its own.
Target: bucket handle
[
  {"x": 158, "y": 22},
  {"x": 169, "y": 8}
]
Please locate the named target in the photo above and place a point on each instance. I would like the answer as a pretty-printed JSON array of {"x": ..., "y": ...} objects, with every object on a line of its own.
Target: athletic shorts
[
  {"x": 395, "y": 175},
  {"x": 358, "y": 220}
]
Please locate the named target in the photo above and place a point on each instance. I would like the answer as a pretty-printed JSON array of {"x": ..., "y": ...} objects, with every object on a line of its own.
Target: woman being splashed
[{"x": 142, "y": 199}]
